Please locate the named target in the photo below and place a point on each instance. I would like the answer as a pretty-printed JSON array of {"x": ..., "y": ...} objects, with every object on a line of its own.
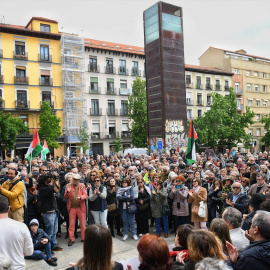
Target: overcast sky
[{"x": 227, "y": 24}]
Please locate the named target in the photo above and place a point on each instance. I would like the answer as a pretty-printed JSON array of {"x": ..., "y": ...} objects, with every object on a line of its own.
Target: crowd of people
[{"x": 210, "y": 206}]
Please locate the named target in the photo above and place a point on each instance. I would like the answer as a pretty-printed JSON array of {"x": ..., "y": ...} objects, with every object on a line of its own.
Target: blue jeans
[
  {"x": 51, "y": 226},
  {"x": 165, "y": 222},
  {"x": 39, "y": 255},
  {"x": 128, "y": 220}
]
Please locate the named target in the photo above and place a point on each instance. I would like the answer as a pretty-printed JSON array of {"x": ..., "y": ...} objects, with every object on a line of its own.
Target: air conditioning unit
[
  {"x": 95, "y": 136},
  {"x": 108, "y": 136}
]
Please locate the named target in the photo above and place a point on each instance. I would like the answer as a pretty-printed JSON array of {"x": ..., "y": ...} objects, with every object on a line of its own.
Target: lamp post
[{"x": 252, "y": 143}]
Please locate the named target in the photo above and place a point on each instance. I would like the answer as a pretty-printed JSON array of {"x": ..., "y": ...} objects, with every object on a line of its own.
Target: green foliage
[
  {"x": 50, "y": 129},
  {"x": 222, "y": 125},
  {"x": 117, "y": 145},
  {"x": 84, "y": 137},
  {"x": 137, "y": 113},
  {"x": 266, "y": 121},
  {"x": 10, "y": 127}
]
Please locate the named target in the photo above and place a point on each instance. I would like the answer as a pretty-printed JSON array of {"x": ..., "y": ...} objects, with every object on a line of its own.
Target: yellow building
[
  {"x": 251, "y": 83},
  {"x": 201, "y": 82},
  {"x": 30, "y": 73}
]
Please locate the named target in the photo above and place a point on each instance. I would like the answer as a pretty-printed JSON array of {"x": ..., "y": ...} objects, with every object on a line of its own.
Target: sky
[{"x": 230, "y": 24}]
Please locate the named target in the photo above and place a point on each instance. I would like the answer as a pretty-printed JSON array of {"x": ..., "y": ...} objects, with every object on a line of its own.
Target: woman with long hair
[
  {"x": 97, "y": 251},
  {"x": 153, "y": 254},
  {"x": 214, "y": 196},
  {"x": 219, "y": 227},
  {"x": 246, "y": 185}
]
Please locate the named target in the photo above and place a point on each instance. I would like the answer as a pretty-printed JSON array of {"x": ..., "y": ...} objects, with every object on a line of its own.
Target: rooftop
[
  {"x": 207, "y": 70},
  {"x": 41, "y": 19}
]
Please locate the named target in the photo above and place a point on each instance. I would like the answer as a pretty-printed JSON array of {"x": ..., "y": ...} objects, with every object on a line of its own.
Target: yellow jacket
[{"x": 15, "y": 196}]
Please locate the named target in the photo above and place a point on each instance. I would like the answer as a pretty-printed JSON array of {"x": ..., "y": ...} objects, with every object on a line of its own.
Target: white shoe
[
  {"x": 147, "y": 234},
  {"x": 140, "y": 234},
  {"x": 135, "y": 237},
  {"x": 125, "y": 237}
]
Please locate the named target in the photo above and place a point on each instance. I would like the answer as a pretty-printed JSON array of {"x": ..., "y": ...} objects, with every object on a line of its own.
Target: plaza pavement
[{"x": 122, "y": 250}]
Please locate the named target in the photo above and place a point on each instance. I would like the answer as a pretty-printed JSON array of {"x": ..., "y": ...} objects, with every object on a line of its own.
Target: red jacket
[{"x": 81, "y": 193}]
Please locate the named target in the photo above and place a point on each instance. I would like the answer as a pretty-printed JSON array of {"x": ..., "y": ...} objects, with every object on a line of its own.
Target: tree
[
  {"x": 137, "y": 113},
  {"x": 266, "y": 121},
  {"x": 84, "y": 137},
  {"x": 222, "y": 125},
  {"x": 10, "y": 127},
  {"x": 117, "y": 145},
  {"x": 50, "y": 129}
]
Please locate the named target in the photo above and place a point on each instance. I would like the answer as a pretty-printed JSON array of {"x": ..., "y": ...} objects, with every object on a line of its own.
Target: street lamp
[{"x": 252, "y": 143}]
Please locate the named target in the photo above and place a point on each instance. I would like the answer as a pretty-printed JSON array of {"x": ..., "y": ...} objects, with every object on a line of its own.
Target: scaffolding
[{"x": 73, "y": 81}]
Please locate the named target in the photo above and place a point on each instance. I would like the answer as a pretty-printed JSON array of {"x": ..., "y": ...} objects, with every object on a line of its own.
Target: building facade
[
  {"x": 251, "y": 83},
  {"x": 111, "y": 69},
  {"x": 30, "y": 73}
]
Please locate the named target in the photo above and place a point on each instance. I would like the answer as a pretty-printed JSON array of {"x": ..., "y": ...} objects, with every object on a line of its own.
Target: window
[
  {"x": 46, "y": 96},
  {"x": 248, "y": 87},
  {"x": 263, "y": 75},
  {"x": 264, "y": 88},
  {"x": 218, "y": 85},
  {"x": 236, "y": 71},
  {"x": 95, "y": 130},
  {"x": 94, "y": 107},
  {"x": 227, "y": 85},
  {"x": 122, "y": 67},
  {"x": 19, "y": 48},
  {"x": 111, "y": 107},
  {"x": 255, "y": 73},
  {"x": 44, "y": 53},
  {"x": 249, "y": 102},
  {"x": 21, "y": 99},
  {"x": 110, "y": 85},
  {"x": 20, "y": 72},
  {"x": 209, "y": 100},
  {"x": 248, "y": 73},
  {"x": 189, "y": 100},
  {"x": 94, "y": 84},
  {"x": 123, "y": 84},
  {"x": 250, "y": 131},
  {"x": 208, "y": 83},
  {"x": 109, "y": 66},
  {"x": 199, "y": 113},
  {"x": 236, "y": 87},
  {"x": 189, "y": 114},
  {"x": 188, "y": 81},
  {"x": 125, "y": 131},
  {"x": 24, "y": 118},
  {"x": 93, "y": 64},
  {"x": 256, "y": 88},
  {"x": 112, "y": 129},
  {"x": 45, "y": 80},
  {"x": 199, "y": 100},
  {"x": 2, "y": 102},
  {"x": 258, "y": 117},
  {"x": 45, "y": 28},
  {"x": 258, "y": 132},
  {"x": 265, "y": 103},
  {"x": 258, "y": 103},
  {"x": 123, "y": 107},
  {"x": 135, "y": 68},
  {"x": 198, "y": 82}
]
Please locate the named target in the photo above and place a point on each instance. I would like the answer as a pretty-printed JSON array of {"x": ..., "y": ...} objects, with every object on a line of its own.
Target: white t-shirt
[
  {"x": 238, "y": 239},
  {"x": 15, "y": 242}
]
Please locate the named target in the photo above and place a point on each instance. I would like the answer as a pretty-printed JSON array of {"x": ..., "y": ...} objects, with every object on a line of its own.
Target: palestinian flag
[
  {"x": 45, "y": 150},
  {"x": 35, "y": 148},
  {"x": 191, "y": 151}
]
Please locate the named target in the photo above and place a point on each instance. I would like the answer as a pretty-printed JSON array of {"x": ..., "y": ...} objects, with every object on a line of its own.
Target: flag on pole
[
  {"x": 68, "y": 152},
  {"x": 191, "y": 151},
  {"x": 35, "y": 148},
  {"x": 45, "y": 150}
]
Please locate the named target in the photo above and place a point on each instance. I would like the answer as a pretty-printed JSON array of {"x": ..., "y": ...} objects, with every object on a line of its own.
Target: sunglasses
[
  {"x": 140, "y": 182},
  {"x": 44, "y": 170},
  {"x": 243, "y": 181},
  {"x": 236, "y": 187},
  {"x": 194, "y": 181},
  {"x": 97, "y": 180},
  {"x": 178, "y": 181},
  {"x": 92, "y": 175}
]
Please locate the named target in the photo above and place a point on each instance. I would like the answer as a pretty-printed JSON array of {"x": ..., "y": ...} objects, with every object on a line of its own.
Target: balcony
[
  {"x": 218, "y": 87},
  {"x": 95, "y": 111},
  {"x": 21, "y": 55},
  {"x": 125, "y": 134},
  {"x": 239, "y": 92},
  {"x": 226, "y": 88},
  {"x": 189, "y": 101},
  {"x": 22, "y": 105},
  {"x": 188, "y": 85},
  {"x": 1, "y": 78},
  {"x": 45, "y": 57},
  {"x": 95, "y": 136},
  {"x": 1, "y": 53},
  {"x": 123, "y": 112},
  {"x": 46, "y": 82},
  {"x": 112, "y": 112},
  {"x": 93, "y": 68},
  {"x": 199, "y": 102},
  {"x": 110, "y": 91},
  {"x": 135, "y": 72},
  {"x": 208, "y": 86},
  {"x": 122, "y": 71},
  {"x": 110, "y": 136},
  {"x": 209, "y": 103},
  {"x": 199, "y": 86},
  {"x": 109, "y": 70},
  {"x": 50, "y": 103},
  {"x": 20, "y": 80},
  {"x": 2, "y": 103},
  {"x": 240, "y": 107},
  {"x": 94, "y": 91},
  {"x": 124, "y": 91}
]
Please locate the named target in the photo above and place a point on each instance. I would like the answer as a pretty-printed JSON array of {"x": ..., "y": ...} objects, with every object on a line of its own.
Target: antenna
[{"x": 2, "y": 19}]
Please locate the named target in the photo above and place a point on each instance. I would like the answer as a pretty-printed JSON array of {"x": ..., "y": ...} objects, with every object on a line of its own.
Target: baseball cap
[{"x": 34, "y": 221}]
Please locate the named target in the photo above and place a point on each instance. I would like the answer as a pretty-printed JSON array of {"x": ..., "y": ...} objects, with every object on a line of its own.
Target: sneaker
[
  {"x": 140, "y": 234},
  {"x": 135, "y": 237},
  {"x": 51, "y": 262},
  {"x": 54, "y": 259},
  {"x": 57, "y": 248},
  {"x": 154, "y": 230},
  {"x": 125, "y": 237}
]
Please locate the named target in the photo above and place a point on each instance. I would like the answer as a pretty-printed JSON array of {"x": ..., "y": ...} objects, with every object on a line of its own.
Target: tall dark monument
[{"x": 165, "y": 76}]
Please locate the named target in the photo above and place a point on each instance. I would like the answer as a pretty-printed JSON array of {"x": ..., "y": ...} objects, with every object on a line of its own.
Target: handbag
[
  {"x": 132, "y": 208},
  {"x": 195, "y": 210},
  {"x": 165, "y": 211},
  {"x": 202, "y": 210},
  {"x": 112, "y": 207},
  {"x": 142, "y": 207}
]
